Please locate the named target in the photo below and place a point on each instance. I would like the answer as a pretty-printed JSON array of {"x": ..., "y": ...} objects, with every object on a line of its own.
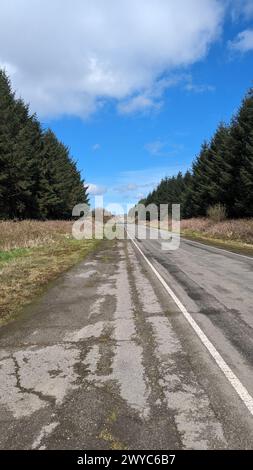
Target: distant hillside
[
  {"x": 222, "y": 173},
  {"x": 38, "y": 177}
]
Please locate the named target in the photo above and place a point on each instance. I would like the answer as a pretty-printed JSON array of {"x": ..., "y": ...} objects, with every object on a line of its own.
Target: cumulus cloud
[
  {"x": 67, "y": 58},
  {"x": 140, "y": 103},
  {"x": 243, "y": 41},
  {"x": 96, "y": 190},
  {"x": 150, "y": 99}
]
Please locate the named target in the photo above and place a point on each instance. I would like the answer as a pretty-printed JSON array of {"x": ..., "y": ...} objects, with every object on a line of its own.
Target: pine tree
[
  {"x": 187, "y": 196},
  {"x": 222, "y": 173},
  {"x": 7, "y": 104},
  {"x": 222, "y": 185},
  {"x": 61, "y": 186},
  {"x": 38, "y": 178},
  {"x": 202, "y": 172},
  {"x": 242, "y": 134},
  {"x": 26, "y": 157}
]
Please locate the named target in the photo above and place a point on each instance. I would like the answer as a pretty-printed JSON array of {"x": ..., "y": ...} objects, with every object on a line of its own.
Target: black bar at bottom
[{"x": 111, "y": 459}]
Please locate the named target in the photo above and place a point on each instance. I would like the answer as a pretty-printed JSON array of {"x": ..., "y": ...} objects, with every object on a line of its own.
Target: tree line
[
  {"x": 222, "y": 173},
  {"x": 38, "y": 177}
]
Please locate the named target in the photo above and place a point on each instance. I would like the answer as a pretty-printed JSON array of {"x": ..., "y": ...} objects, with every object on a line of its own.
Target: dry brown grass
[
  {"x": 240, "y": 230},
  {"x": 31, "y": 233},
  {"x": 32, "y": 253},
  {"x": 236, "y": 235}
]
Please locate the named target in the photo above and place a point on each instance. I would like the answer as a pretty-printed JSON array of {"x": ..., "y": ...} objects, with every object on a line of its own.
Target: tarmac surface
[{"x": 105, "y": 359}]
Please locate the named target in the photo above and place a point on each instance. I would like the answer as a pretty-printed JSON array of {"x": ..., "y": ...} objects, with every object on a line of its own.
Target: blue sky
[{"x": 133, "y": 93}]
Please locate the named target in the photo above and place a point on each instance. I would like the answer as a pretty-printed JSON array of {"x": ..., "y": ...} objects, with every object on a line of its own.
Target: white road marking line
[{"x": 229, "y": 374}]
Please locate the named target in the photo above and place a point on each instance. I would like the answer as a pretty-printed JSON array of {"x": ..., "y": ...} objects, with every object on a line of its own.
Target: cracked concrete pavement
[{"x": 105, "y": 361}]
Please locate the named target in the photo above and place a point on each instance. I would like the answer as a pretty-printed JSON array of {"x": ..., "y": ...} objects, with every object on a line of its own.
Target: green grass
[
  {"x": 26, "y": 272},
  {"x": 6, "y": 256}
]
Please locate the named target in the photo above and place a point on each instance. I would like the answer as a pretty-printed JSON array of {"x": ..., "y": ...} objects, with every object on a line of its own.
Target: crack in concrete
[{"x": 23, "y": 389}]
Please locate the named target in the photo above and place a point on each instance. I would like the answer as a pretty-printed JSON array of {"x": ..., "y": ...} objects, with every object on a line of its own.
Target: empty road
[{"x": 107, "y": 360}]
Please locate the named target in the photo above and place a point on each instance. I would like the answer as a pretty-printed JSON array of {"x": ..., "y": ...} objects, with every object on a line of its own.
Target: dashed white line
[{"x": 224, "y": 367}]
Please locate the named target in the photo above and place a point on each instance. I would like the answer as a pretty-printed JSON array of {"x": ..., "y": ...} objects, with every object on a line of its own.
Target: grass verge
[
  {"x": 25, "y": 272},
  {"x": 231, "y": 235},
  {"x": 231, "y": 245}
]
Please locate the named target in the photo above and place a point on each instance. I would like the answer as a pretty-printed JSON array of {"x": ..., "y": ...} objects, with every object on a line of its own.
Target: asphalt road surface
[{"x": 107, "y": 360}]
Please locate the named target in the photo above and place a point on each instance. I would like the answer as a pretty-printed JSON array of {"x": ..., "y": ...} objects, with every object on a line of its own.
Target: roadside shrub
[{"x": 217, "y": 213}]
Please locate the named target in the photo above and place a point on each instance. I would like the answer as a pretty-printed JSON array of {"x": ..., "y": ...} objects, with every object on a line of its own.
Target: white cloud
[
  {"x": 67, "y": 58},
  {"x": 96, "y": 147},
  {"x": 96, "y": 190},
  {"x": 197, "y": 88},
  {"x": 241, "y": 8},
  {"x": 126, "y": 188},
  {"x": 243, "y": 41},
  {"x": 140, "y": 196},
  {"x": 151, "y": 98},
  {"x": 156, "y": 147},
  {"x": 159, "y": 148},
  {"x": 139, "y": 103},
  {"x": 248, "y": 8},
  {"x": 149, "y": 177}
]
